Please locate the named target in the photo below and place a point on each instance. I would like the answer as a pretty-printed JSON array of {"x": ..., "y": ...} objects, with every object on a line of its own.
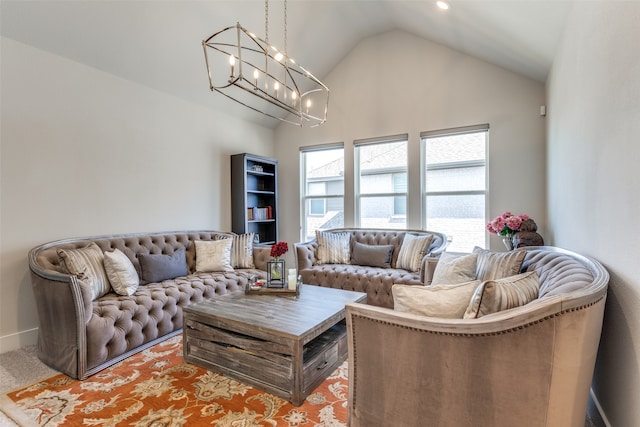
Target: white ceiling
[{"x": 157, "y": 43}]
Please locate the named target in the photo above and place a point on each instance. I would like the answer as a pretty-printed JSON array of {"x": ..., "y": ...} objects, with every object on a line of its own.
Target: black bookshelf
[{"x": 254, "y": 196}]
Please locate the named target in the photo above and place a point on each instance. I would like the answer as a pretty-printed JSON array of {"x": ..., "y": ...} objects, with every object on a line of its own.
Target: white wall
[
  {"x": 396, "y": 83},
  {"x": 593, "y": 180},
  {"x": 87, "y": 153}
]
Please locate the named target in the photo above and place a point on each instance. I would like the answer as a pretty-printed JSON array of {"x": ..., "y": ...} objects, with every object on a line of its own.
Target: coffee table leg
[{"x": 297, "y": 397}]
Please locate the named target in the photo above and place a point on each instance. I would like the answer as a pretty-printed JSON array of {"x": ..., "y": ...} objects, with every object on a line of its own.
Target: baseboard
[
  {"x": 596, "y": 403},
  {"x": 19, "y": 340}
]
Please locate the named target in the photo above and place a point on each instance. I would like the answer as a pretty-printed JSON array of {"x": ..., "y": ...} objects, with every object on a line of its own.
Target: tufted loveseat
[
  {"x": 80, "y": 337},
  {"x": 375, "y": 281}
]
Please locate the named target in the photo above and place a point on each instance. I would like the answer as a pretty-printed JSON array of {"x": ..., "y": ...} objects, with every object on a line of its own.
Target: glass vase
[
  {"x": 508, "y": 242},
  {"x": 275, "y": 273}
]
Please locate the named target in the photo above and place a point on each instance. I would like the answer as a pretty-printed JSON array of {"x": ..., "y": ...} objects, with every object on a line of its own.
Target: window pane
[
  {"x": 325, "y": 169},
  {"x": 379, "y": 163},
  {"x": 322, "y": 175},
  {"x": 456, "y": 164},
  {"x": 456, "y": 148},
  {"x": 333, "y": 217},
  {"x": 456, "y": 179},
  {"x": 378, "y": 212},
  {"x": 459, "y": 217}
]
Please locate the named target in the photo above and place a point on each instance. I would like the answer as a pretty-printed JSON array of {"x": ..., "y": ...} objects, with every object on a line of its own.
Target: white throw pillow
[
  {"x": 493, "y": 296},
  {"x": 333, "y": 248},
  {"x": 213, "y": 255},
  {"x": 121, "y": 272},
  {"x": 444, "y": 301},
  {"x": 87, "y": 264},
  {"x": 452, "y": 268},
  {"x": 413, "y": 249}
]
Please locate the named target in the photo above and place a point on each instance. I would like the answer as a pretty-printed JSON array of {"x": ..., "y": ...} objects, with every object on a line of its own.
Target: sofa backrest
[
  {"x": 45, "y": 257},
  {"x": 562, "y": 272},
  {"x": 372, "y": 236}
]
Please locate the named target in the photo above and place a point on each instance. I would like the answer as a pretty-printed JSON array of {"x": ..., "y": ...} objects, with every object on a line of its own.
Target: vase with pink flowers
[{"x": 506, "y": 225}]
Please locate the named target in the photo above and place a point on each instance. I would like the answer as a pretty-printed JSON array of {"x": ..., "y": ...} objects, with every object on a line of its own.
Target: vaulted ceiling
[{"x": 157, "y": 43}]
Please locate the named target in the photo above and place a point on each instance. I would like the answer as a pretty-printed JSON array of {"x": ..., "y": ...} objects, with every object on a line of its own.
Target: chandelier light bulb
[
  {"x": 279, "y": 56},
  {"x": 308, "y": 105},
  {"x": 294, "y": 97},
  {"x": 442, "y": 5},
  {"x": 232, "y": 63},
  {"x": 276, "y": 87},
  {"x": 256, "y": 74}
]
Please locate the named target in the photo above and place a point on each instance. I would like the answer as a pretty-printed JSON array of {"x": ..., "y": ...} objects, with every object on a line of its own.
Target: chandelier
[{"x": 250, "y": 71}]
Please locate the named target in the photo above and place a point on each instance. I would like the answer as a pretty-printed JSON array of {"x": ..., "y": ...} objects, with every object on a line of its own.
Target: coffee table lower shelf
[{"x": 273, "y": 364}]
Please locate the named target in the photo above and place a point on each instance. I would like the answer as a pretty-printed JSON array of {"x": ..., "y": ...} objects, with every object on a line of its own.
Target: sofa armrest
[
  {"x": 306, "y": 254},
  {"x": 427, "y": 268},
  {"x": 63, "y": 312}
]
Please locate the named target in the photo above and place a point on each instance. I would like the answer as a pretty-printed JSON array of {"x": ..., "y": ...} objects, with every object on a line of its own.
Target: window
[
  {"x": 322, "y": 184},
  {"x": 455, "y": 185},
  {"x": 381, "y": 182}
]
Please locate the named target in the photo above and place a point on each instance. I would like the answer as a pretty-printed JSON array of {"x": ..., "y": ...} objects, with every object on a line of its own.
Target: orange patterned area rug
[{"x": 157, "y": 388}]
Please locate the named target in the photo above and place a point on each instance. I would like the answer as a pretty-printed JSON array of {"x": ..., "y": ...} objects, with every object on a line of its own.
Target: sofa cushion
[
  {"x": 121, "y": 272},
  {"x": 213, "y": 255},
  {"x": 88, "y": 264},
  {"x": 493, "y": 296},
  {"x": 333, "y": 248},
  {"x": 496, "y": 265},
  {"x": 452, "y": 269},
  {"x": 372, "y": 255},
  {"x": 241, "y": 250},
  {"x": 158, "y": 267},
  {"x": 413, "y": 249},
  {"x": 444, "y": 301}
]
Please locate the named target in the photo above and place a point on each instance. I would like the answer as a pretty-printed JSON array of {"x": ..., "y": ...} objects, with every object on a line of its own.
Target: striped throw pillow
[
  {"x": 496, "y": 265},
  {"x": 88, "y": 264},
  {"x": 242, "y": 251},
  {"x": 493, "y": 296},
  {"x": 413, "y": 249},
  {"x": 333, "y": 248}
]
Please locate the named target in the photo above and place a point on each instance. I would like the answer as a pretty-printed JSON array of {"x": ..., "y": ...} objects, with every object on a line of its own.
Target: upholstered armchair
[{"x": 530, "y": 365}]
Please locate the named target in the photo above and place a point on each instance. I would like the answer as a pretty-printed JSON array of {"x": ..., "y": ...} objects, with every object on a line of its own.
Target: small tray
[{"x": 272, "y": 291}]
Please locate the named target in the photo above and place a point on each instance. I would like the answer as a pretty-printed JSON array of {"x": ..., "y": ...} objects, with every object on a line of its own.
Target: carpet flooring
[
  {"x": 21, "y": 367},
  {"x": 157, "y": 388}
]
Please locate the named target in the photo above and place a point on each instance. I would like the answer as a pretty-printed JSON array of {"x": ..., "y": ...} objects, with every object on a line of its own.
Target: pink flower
[
  {"x": 514, "y": 223},
  {"x": 506, "y": 224}
]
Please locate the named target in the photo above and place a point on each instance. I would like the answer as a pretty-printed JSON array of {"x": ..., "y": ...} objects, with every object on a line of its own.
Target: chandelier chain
[
  {"x": 266, "y": 21},
  {"x": 285, "y": 27}
]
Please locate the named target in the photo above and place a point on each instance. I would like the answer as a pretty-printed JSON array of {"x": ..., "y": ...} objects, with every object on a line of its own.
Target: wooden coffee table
[{"x": 286, "y": 345}]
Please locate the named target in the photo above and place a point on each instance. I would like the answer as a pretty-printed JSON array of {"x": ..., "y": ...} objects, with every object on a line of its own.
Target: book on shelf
[{"x": 259, "y": 214}]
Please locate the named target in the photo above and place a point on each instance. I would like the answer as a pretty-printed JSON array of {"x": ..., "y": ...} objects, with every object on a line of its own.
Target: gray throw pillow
[
  {"x": 156, "y": 268},
  {"x": 372, "y": 255}
]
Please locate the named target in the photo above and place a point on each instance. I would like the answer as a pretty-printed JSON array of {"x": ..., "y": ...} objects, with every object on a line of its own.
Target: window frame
[
  {"x": 305, "y": 198},
  {"x": 358, "y": 195},
  {"x": 425, "y": 168}
]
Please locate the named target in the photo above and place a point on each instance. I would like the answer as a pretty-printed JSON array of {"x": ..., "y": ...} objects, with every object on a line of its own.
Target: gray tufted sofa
[
  {"x": 530, "y": 365},
  {"x": 80, "y": 337},
  {"x": 375, "y": 281}
]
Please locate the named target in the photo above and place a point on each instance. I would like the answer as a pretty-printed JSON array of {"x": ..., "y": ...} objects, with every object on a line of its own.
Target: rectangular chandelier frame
[{"x": 246, "y": 69}]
